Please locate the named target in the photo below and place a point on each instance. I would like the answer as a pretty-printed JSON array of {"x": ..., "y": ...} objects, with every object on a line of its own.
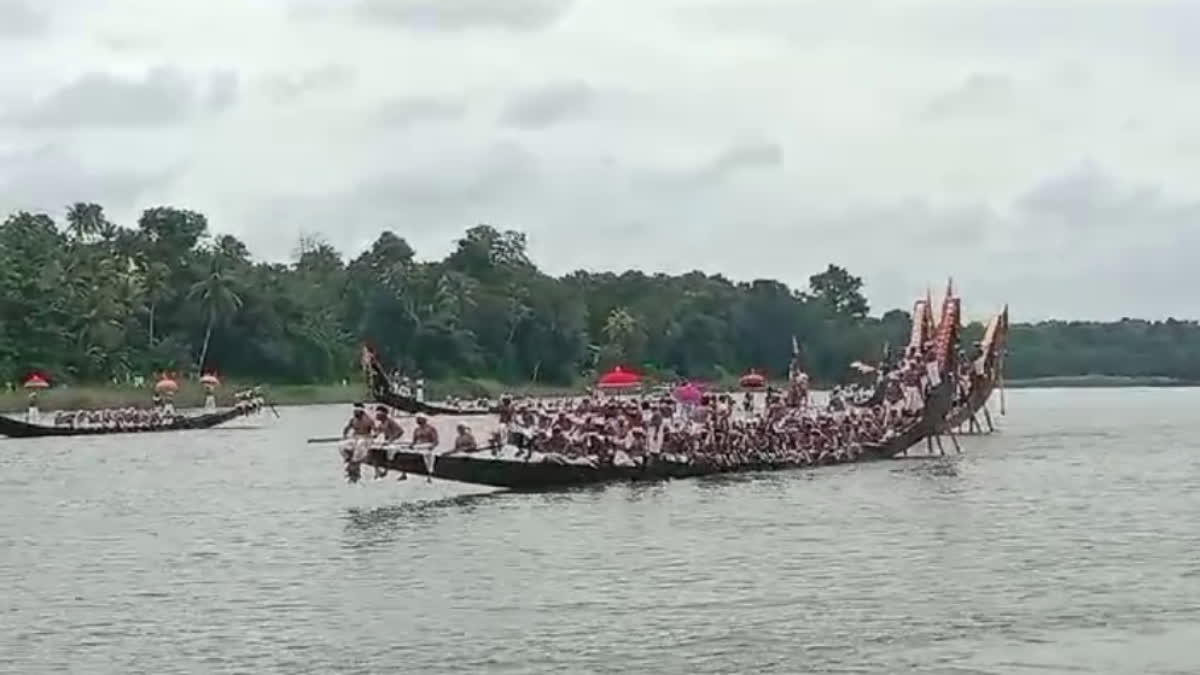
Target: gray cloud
[
  {"x": 47, "y": 179},
  {"x": 548, "y": 105},
  {"x": 978, "y": 94},
  {"x": 1086, "y": 198},
  {"x": 449, "y": 15},
  {"x": 405, "y": 112},
  {"x": 734, "y": 159},
  {"x": 428, "y": 203},
  {"x": 283, "y": 88},
  {"x": 21, "y": 19},
  {"x": 165, "y": 96},
  {"x": 835, "y": 171}
]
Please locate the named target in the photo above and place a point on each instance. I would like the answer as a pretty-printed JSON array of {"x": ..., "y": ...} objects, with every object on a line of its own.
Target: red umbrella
[
  {"x": 753, "y": 380},
  {"x": 619, "y": 379},
  {"x": 36, "y": 381},
  {"x": 166, "y": 385},
  {"x": 210, "y": 379}
]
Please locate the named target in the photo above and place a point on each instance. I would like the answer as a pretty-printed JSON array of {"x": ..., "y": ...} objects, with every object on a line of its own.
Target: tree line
[{"x": 93, "y": 301}]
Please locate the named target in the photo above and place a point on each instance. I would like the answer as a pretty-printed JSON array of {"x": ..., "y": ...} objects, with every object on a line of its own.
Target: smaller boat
[
  {"x": 383, "y": 390},
  {"x": 247, "y": 404}
]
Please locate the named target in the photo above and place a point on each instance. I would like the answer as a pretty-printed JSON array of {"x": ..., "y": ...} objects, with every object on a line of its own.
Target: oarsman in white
[
  {"x": 423, "y": 434},
  {"x": 465, "y": 440},
  {"x": 389, "y": 431},
  {"x": 358, "y": 432}
]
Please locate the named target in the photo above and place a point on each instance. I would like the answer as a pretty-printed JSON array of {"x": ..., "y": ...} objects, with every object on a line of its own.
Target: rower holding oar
[
  {"x": 358, "y": 432},
  {"x": 425, "y": 433},
  {"x": 391, "y": 432}
]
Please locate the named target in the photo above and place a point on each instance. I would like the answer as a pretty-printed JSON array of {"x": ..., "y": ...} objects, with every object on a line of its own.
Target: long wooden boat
[
  {"x": 481, "y": 469},
  {"x": 381, "y": 389},
  {"x": 18, "y": 429}
]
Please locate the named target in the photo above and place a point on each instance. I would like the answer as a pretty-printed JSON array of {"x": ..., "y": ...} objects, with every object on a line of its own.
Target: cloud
[
  {"x": 283, "y": 88},
  {"x": 452, "y": 15},
  {"x": 1043, "y": 153},
  {"x": 979, "y": 94},
  {"x": 734, "y": 159},
  {"x": 430, "y": 202},
  {"x": 405, "y": 112},
  {"x": 549, "y": 105},
  {"x": 163, "y": 97},
  {"x": 21, "y": 19},
  {"x": 47, "y": 178}
]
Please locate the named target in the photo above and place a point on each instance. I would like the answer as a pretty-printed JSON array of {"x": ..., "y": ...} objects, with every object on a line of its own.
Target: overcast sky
[{"x": 1043, "y": 152}]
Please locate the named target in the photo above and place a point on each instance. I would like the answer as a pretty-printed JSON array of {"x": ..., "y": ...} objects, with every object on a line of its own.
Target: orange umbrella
[{"x": 166, "y": 386}]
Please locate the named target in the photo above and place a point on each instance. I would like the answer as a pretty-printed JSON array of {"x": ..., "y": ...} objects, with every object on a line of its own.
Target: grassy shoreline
[
  {"x": 91, "y": 397},
  {"x": 1097, "y": 382},
  {"x": 192, "y": 395}
]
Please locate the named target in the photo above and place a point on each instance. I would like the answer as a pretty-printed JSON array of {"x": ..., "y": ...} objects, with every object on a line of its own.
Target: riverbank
[
  {"x": 1097, "y": 382},
  {"x": 89, "y": 397},
  {"x": 92, "y": 397}
]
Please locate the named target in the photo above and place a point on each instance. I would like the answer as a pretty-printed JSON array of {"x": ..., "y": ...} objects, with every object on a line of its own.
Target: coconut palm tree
[{"x": 217, "y": 297}]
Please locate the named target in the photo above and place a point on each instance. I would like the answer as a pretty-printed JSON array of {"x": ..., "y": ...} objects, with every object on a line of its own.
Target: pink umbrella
[
  {"x": 689, "y": 393},
  {"x": 619, "y": 379}
]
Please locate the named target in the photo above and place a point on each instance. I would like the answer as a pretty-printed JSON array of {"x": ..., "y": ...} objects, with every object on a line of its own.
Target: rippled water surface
[{"x": 1067, "y": 543}]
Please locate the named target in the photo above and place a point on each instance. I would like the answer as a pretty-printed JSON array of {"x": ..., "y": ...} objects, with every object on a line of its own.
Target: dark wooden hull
[
  {"x": 409, "y": 404},
  {"x": 976, "y": 399},
  {"x": 18, "y": 429},
  {"x": 483, "y": 469}
]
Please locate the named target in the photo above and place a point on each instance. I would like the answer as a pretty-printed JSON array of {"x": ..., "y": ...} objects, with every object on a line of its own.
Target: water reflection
[{"x": 371, "y": 527}]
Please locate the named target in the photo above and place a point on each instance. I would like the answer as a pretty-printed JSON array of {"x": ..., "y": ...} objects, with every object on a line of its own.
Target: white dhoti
[
  {"x": 912, "y": 398},
  {"x": 355, "y": 449}
]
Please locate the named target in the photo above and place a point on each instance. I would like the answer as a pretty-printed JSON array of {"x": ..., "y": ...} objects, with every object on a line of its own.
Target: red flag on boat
[{"x": 619, "y": 379}]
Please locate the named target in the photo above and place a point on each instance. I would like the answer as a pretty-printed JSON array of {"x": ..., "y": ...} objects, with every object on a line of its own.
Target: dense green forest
[{"x": 91, "y": 301}]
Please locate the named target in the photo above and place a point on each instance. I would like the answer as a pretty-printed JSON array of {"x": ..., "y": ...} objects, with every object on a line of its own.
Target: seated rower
[
  {"x": 359, "y": 431},
  {"x": 390, "y": 431},
  {"x": 465, "y": 441},
  {"x": 424, "y": 433},
  {"x": 359, "y": 425}
]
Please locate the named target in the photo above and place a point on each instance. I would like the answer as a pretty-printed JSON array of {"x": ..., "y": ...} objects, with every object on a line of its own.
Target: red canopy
[
  {"x": 36, "y": 381},
  {"x": 753, "y": 380},
  {"x": 619, "y": 379}
]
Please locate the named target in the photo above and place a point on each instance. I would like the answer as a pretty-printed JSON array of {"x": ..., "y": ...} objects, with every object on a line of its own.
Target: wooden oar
[{"x": 331, "y": 439}]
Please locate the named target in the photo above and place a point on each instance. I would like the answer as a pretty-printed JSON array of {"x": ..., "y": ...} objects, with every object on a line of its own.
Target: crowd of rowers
[
  {"x": 161, "y": 413},
  {"x": 606, "y": 430}
]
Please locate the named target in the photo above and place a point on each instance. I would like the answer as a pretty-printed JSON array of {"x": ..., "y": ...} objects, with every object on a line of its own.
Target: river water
[{"x": 1067, "y": 543}]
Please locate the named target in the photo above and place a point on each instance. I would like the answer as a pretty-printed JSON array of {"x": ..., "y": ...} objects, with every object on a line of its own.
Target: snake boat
[
  {"x": 18, "y": 429},
  {"x": 383, "y": 390}
]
